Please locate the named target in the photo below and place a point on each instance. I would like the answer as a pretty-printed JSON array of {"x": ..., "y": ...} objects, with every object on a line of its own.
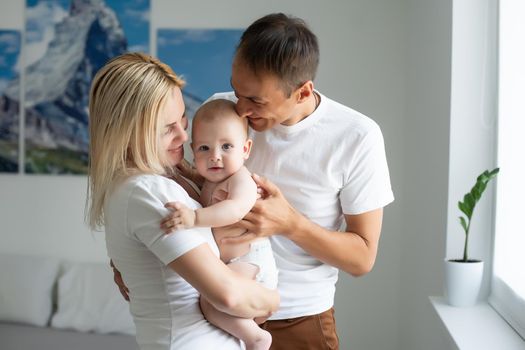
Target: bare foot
[{"x": 262, "y": 342}]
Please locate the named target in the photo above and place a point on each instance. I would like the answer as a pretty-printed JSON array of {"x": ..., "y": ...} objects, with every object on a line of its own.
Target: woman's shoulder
[
  {"x": 151, "y": 181},
  {"x": 154, "y": 186}
]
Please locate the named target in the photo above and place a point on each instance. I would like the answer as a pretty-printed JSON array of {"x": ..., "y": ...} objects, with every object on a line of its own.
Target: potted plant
[{"x": 463, "y": 276}]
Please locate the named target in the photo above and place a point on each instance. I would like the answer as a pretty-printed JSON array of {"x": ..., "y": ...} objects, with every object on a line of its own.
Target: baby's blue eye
[
  {"x": 227, "y": 146},
  {"x": 203, "y": 148}
]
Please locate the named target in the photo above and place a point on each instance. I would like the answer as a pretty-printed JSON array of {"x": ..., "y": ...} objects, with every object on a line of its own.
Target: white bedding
[{"x": 24, "y": 337}]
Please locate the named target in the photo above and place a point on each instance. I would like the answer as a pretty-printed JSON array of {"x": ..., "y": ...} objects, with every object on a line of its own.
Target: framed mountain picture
[
  {"x": 9, "y": 101},
  {"x": 67, "y": 42}
]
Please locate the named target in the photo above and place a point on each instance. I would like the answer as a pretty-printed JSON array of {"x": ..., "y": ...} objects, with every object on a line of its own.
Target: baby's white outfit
[{"x": 261, "y": 255}]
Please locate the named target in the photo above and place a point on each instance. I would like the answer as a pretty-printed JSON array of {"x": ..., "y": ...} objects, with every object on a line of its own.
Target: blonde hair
[
  {"x": 217, "y": 109},
  {"x": 126, "y": 97}
]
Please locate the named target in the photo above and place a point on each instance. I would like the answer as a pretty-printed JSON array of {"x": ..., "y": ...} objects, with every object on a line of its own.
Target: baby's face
[{"x": 220, "y": 147}]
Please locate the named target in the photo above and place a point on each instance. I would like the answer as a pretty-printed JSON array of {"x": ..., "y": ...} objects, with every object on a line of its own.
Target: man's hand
[
  {"x": 117, "y": 277},
  {"x": 180, "y": 218},
  {"x": 271, "y": 214}
]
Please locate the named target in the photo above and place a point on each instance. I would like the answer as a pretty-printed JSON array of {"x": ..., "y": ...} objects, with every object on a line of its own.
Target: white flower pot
[{"x": 463, "y": 282}]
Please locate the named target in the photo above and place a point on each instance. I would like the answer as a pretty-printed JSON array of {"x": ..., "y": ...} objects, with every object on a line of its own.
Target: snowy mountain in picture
[
  {"x": 9, "y": 109},
  {"x": 57, "y": 87}
]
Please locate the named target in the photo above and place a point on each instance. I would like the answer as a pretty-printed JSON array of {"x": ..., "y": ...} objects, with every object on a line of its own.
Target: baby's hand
[{"x": 181, "y": 217}]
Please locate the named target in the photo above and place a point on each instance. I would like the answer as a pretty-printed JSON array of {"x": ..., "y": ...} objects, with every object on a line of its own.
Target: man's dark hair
[{"x": 281, "y": 45}]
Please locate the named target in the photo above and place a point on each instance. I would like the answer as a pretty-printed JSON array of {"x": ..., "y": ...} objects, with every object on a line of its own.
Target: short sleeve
[
  {"x": 367, "y": 185},
  {"x": 145, "y": 211}
]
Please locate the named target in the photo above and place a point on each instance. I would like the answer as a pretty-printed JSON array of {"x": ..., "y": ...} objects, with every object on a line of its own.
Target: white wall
[
  {"x": 44, "y": 215},
  {"x": 426, "y": 177},
  {"x": 389, "y": 59}
]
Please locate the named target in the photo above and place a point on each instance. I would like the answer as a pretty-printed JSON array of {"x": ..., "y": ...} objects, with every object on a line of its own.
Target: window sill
[{"x": 477, "y": 327}]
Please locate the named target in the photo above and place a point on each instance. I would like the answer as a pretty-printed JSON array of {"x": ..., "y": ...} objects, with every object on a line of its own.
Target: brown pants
[{"x": 316, "y": 332}]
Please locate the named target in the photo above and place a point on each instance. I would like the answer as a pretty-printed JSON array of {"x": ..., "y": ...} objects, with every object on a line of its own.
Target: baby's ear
[{"x": 247, "y": 148}]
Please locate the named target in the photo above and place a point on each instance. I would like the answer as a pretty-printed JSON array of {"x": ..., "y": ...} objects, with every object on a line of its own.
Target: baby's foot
[{"x": 262, "y": 342}]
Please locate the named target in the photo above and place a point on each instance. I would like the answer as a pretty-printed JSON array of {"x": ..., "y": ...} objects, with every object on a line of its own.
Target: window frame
[{"x": 506, "y": 301}]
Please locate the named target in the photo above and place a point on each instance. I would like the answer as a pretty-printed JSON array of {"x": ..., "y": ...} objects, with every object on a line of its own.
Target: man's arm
[{"x": 353, "y": 251}]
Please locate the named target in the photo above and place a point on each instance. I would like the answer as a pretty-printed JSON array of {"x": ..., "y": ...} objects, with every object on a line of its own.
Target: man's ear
[
  {"x": 247, "y": 148},
  {"x": 305, "y": 91}
]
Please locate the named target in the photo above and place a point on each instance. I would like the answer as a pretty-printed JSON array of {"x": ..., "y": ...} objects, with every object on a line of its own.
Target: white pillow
[
  {"x": 89, "y": 301},
  {"x": 26, "y": 286}
]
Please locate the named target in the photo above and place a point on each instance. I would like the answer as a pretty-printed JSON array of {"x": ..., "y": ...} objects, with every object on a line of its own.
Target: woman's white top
[{"x": 165, "y": 308}]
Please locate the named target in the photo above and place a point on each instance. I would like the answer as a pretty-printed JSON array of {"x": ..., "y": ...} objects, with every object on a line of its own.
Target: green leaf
[
  {"x": 480, "y": 189},
  {"x": 469, "y": 204},
  {"x": 494, "y": 172},
  {"x": 476, "y": 193},
  {"x": 463, "y": 223},
  {"x": 462, "y": 207},
  {"x": 483, "y": 177}
]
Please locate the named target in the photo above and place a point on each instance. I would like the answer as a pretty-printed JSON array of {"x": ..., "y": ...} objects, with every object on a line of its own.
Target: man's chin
[{"x": 258, "y": 125}]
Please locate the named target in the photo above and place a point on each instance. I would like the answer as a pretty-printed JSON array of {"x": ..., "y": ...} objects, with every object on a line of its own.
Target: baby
[{"x": 220, "y": 146}]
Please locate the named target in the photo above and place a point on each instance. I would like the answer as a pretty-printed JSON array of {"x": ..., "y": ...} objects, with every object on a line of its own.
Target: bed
[{"x": 51, "y": 304}]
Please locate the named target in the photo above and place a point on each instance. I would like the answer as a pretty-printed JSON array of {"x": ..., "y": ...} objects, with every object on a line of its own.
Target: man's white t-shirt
[
  {"x": 331, "y": 163},
  {"x": 165, "y": 308}
]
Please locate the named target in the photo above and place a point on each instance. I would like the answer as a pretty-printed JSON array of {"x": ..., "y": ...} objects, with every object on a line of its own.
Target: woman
[{"x": 137, "y": 131}]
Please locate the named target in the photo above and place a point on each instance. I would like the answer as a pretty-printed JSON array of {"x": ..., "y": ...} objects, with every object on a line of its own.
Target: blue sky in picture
[
  {"x": 202, "y": 57},
  {"x": 133, "y": 15},
  {"x": 62, "y": 3},
  {"x": 9, "y": 51}
]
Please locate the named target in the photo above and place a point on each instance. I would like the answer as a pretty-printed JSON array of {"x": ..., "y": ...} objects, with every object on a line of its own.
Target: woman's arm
[
  {"x": 223, "y": 288},
  {"x": 188, "y": 253}
]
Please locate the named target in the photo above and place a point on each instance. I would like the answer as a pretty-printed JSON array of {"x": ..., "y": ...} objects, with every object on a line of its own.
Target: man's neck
[{"x": 304, "y": 110}]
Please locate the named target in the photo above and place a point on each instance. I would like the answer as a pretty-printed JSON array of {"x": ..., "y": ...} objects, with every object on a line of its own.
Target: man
[
  {"x": 327, "y": 165},
  {"x": 322, "y": 165}
]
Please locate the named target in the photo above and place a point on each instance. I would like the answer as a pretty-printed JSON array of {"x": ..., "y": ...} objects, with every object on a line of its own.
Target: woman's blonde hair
[{"x": 125, "y": 100}]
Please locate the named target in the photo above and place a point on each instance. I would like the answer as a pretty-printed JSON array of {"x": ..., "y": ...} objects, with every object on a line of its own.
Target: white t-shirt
[
  {"x": 165, "y": 308},
  {"x": 331, "y": 163}
]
